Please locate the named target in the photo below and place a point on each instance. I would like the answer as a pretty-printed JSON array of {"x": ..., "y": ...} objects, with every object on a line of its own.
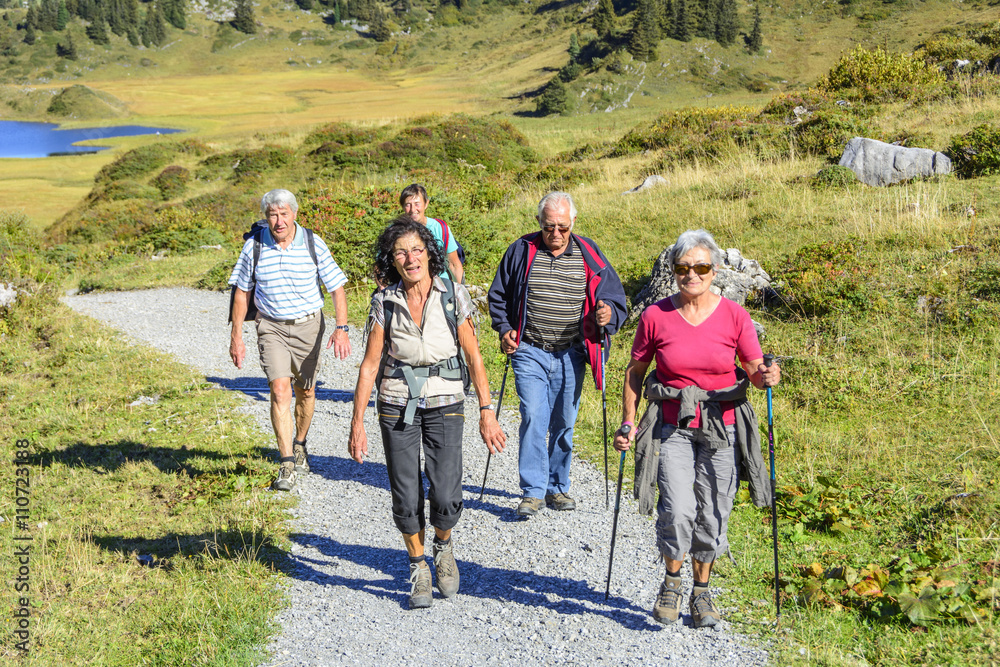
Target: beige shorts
[{"x": 291, "y": 350}]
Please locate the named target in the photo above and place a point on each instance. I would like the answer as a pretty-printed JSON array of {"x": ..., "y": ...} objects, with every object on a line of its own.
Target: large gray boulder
[
  {"x": 735, "y": 280},
  {"x": 878, "y": 163}
]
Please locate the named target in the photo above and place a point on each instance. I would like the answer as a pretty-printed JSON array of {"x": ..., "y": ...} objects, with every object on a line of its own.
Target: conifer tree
[
  {"x": 645, "y": 32},
  {"x": 154, "y": 29},
  {"x": 554, "y": 99},
  {"x": 603, "y": 20},
  {"x": 97, "y": 30},
  {"x": 175, "y": 13},
  {"x": 682, "y": 28},
  {"x": 728, "y": 26},
  {"x": 336, "y": 12},
  {"x": 62, "y": 17},
  {"x": 666, "y": 16},
  {"x": 133, "y": 36},
  {"x": 86, "y": 9},
  {"x": 244, "y": 19},
  {"x": 708, "y": 17},
  {"x": 31, "y": 20},
  {"x": 574, "y": 47},
  {"x": 29, "y": 34},
  {"x": 67, "y": 50},
  {"x": 379, "y": 30},
  {"x": 48, "y": 15},
  {"x": 756, "y": 40}
]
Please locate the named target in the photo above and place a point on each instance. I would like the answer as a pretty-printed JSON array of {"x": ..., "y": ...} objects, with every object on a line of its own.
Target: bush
[
  {"x": 137, "y": 162},
  {"x": 683, "y": 127},
  {"x": 827, "y": 133},
  {"x": 880, "y": 75},
  {"x": 172, "y": 181},
  {"x": 828, "y": 277},
  {"x": 976, "y": 153},
  {"x": 177, "y": 230},
  {"x": 554, "y": 99},
  {"x": 342, "y": 134},
  {"x": 244, "y": 163},
  {"x": 834, "y": 177}
]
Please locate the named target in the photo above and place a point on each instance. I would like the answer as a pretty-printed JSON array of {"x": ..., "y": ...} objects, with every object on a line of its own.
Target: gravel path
[{"x": 532, "y": 591}]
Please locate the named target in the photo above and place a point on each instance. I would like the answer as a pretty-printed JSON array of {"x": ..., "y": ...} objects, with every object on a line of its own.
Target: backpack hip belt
[{"x": 416, "y": 377}]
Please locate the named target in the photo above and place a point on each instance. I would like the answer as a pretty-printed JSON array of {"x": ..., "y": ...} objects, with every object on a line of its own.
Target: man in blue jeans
[{"x": 553, "y": 300}]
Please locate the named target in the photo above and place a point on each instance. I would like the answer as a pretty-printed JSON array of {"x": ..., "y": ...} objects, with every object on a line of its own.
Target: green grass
[{"x": 182, "y": 480}]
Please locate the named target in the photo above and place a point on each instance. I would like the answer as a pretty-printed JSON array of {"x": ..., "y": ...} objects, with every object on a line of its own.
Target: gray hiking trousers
[{"x": 697, "y": 486}]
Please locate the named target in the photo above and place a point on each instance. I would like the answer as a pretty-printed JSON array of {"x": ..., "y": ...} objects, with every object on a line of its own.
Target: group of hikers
[{"x": 554, "y": 302}]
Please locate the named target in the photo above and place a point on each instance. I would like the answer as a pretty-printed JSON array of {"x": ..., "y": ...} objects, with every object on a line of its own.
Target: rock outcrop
[{"x": 877, "y": 163}]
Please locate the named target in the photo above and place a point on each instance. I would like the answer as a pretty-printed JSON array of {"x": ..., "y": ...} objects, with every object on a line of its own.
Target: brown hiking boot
[
  {"x": 560, "y": 501},
  {"x": 529, "y": 506},
  {"x": 421, "y": 595},
  {"x": 668, "y": 601},
  {"x": 301, "y": 456},
  {"x": 704, "y": 613},
  {"x": 445, "y": 569}
]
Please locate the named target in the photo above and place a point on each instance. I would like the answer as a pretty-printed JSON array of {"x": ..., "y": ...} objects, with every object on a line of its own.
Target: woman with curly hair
[{"x": 421, "y": 326}]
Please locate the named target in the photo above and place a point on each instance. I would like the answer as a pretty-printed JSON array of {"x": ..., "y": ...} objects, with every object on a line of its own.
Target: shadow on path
[{"x": 524, "y": 588}]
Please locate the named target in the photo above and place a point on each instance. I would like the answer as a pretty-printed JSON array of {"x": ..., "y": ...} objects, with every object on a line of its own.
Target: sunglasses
[
  {"x": 563, "y": 229},
  {"x": 700, "y": 269}
]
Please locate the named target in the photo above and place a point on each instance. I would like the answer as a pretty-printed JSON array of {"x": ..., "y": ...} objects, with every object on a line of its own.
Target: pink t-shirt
[{"x": 702, "y": 355}]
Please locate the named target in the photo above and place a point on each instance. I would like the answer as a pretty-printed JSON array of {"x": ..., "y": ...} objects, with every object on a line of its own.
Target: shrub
[
  {"x": 685, "y": 126},
  {"x": 343, "y": 134},
  {"x": 826, "y": 133},
  {"x": 172, "y": 181},
  {"x": 877, "y": 74},
  {"x": 976, "y": 153},
  {"x": 827, "y": 278},
  {"x": 554, "y": 99},
  {"x": 176, "y": 229},
  {"x": 137, "y": 162},
  {"x": 244, "y": 163},
  {"x": 834, "y": 177}
]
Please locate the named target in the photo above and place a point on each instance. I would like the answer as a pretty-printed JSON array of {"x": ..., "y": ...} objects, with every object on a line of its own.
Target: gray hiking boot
[
  {"x": 421, "y": 595},
  {"x": 704, "y": 613},
  {"x": 301, "y": 456},
  {"x": 668, "y": 601},
  {"x": 445, "y": 569},
  {"x": 286, "y": 477},
  {"x": 529, "y": 506}
]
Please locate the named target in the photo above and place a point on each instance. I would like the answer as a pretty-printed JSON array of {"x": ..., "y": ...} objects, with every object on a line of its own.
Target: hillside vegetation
[{"x": 886, "y": 309}]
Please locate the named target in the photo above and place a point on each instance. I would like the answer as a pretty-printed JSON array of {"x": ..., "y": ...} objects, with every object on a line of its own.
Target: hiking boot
[
  {"x": 560, "y": 501},
  {"x": 445, "y": 569},
  {"x": 529, "y": 506},
  {"x": 286, "y": 477},
  {"x": 421, "y": 595},
  {"x": 704, "y": 613},
  {"x": 301, "y": 456},
  {"x": 668, "y": 601}
]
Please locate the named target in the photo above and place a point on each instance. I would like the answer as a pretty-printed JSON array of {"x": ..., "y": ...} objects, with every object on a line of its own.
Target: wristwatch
[
  {"x": 483, "y": 408},
  {"x": 343, "y": 327}
]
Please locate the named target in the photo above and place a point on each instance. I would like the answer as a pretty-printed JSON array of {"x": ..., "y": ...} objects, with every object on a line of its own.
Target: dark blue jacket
[{"x": 509, "y": 289}]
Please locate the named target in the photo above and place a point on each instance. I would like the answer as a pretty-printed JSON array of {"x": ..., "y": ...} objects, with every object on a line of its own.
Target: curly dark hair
[{"x": 385, "y": 267}]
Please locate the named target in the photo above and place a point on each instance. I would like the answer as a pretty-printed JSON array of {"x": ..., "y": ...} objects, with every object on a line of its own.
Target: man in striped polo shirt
[
  {"x": 290, "y": 324},
  {"x": 554, "y": 300}
]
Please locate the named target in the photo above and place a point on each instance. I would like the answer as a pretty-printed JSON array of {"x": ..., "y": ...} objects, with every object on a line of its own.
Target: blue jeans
[{"x": 548, "y": 386}]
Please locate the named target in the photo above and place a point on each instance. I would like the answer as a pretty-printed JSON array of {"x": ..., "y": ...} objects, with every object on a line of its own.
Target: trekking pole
[
  {"x": 626, "y": 429},
  {"x": 489, "y": 454},
  {"x": 604, "y": 410},
  {"x": 768, "y": 360}
]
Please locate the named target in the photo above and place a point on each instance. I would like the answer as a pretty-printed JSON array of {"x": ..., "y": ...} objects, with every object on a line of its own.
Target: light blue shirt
[
  {"x": 438, "y": 231},
  {"x": 286, "y": 279}
]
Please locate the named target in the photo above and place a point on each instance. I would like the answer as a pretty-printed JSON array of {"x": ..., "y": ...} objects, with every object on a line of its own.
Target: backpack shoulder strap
[
  {"x": 256, "y": 255},
  {"x": 311, "y": 244},
  {"x": 448, "y": 299},
  {"x": 445, "y": 235}
]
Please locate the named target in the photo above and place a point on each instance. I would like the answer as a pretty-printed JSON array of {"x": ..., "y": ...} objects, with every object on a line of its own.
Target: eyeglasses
[
  {"x": 700, "y": 269},
  {"x": 563, "y": 229},
  {"x": 417, "y": 253}
]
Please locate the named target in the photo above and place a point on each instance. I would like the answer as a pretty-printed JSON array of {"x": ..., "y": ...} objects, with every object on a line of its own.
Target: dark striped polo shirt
[{"x": 556, "y": 292}]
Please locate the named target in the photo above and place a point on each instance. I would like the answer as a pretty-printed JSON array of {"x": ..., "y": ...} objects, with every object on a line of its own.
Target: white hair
[
  {"x": 695, "y": 238},
  {"x": 554, "y": 198},
  {"x": 277, "y": 199}
]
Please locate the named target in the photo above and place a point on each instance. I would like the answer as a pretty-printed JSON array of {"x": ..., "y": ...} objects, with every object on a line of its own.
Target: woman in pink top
[{"x": 695, "y": 336}]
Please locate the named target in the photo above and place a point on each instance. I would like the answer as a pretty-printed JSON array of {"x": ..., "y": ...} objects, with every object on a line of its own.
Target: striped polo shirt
[
  {"x": 557, "y": 288},
  {"x": 286, "y": 279}
]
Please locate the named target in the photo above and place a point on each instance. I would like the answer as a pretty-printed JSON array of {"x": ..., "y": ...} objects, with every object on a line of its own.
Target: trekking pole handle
[{"x": 768, "y": 360}]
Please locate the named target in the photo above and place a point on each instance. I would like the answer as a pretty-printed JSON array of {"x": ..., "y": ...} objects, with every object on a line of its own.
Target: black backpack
[
  {"x": 256, "y": 231},
  {"x": 455, "y": 367}
]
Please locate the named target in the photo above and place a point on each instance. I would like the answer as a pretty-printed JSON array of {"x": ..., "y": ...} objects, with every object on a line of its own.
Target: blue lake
[{"x": 20, "y": 139}]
